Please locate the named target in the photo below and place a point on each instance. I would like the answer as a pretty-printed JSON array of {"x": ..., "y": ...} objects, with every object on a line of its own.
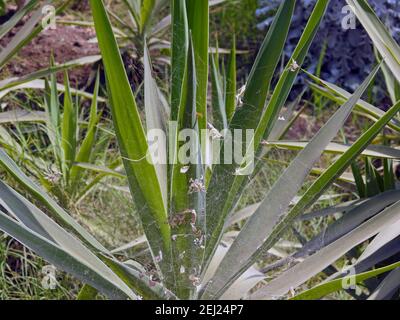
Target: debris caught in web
[
  {"x": 185, "y": 169},
  {"x": 197, "y": 186},
  {"x": 239, "y": 96},
  {"x": 180, "y": 218},
  {"x": 195, "y": 280},
  {"x": 214, "y": 133},
  {"x": 53, "y": 176},
  {"x": 293, "y": 67},
  {"x": 159, "y": 258}
]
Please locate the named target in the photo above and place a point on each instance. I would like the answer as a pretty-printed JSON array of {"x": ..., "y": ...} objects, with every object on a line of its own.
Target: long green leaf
[
  {"x": 392, "y": 85},
  {"x": 39, "y": 194},
  {"x": 380, "y": 36},
  {"x": 339, "y": 95},
  {"x": 350, "y": 221},
  {"x": 303, "y": 271},
  {"x": 142, "y": 175},
  {"x": 40, "y": 84},
  {"x": 155, "y": 120},
  {"x": 248, "y": 115},
  {"x": 69, "y": 130},
  {"x": 374, "y": 151},
  {"x": 220, "y": 206},
  {"x": 231, "y": 83},
  {"x": 218, "y": 102},
  {"x": 20, "y": 39},
  {"x": 198, "y": 22},
  {"x": 387, "y": 287},
  {"x": 146, "y": 12},
  {"x": 20, "y": 115},
  {"x": 14, "y": 82},
  {"x": 187, "y": 195},
  {"x": 272, "y": 209},
  {"x": 30, "y": 30},
  {"x": 383, "y": 238},
  {"x": 88, "y": 142},
  {"x": 141, "y": 283},
  {"x": 320, "y": 185},
  {"x": 54, "y": 244},
  {"x": 180, "y": 42},
  {"x": 13, "y": 21},
  {"x": 87, "y": 293},
  {"x": 336, "y": 285}
]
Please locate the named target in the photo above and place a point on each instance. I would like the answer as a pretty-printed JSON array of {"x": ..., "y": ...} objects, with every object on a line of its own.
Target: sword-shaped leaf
[
  {"x": 145, "y": 187},
  {"x": 259, "y": 228}
]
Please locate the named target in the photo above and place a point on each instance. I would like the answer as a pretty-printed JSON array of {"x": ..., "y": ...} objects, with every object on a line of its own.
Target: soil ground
[{"x": 65, "y": 43}]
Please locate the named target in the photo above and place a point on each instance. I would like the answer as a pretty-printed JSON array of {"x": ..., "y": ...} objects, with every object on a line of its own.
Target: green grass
[
  {"x": 107, "y": 213},
  {"x": 21, "y": 275}
]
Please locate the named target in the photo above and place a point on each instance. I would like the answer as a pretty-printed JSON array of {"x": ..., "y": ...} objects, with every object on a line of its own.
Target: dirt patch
[
  {"x": 81, "y": 5},
  {"x": 307, "y": 125},
  {"x": 66, "y": 43}
]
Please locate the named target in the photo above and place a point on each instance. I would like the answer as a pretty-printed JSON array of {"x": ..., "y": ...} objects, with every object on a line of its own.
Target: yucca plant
[
  {"x": 65, "y": 149},
  {"x": 187, "y": 210},
  {"x": 64, "y": 142}
]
